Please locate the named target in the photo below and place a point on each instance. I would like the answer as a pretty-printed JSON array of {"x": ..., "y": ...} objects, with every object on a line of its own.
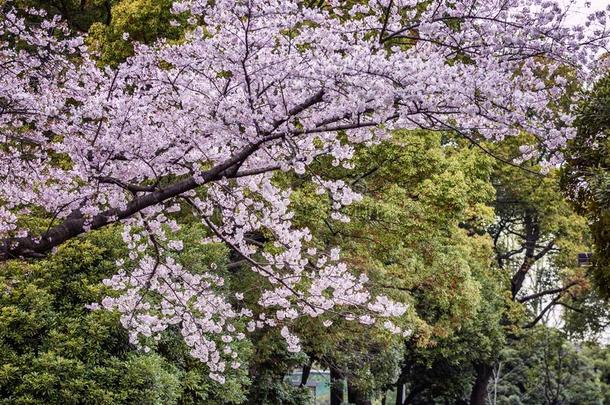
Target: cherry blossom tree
[{"x": 201, "y": 126}]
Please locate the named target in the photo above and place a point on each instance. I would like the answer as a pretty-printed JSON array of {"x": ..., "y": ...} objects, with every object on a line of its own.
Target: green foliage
[
  {"x": 587, "y": 317},
  {"x": 537, "y": 238},
  {"x": 546, "y": 369},
  {"x": 600, "y": 359},
  {"x": 54, "y": 350},
  {"x": 442, "y": 373},
  {"x": 418, "y": 234},
  {"x": 143, "y": 20},
  {"x": 522, "y": 193},
  {"x": 587, "y": 173},
  {"x": 269, "y": 366},
  {"x": 407, "y": 234},
  {"x": 79, "y": 15},
  {"x": 107, "y": 21}
]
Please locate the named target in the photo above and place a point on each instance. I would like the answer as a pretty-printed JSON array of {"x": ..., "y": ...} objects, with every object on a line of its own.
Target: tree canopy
[{"x": 198, "y": 197}]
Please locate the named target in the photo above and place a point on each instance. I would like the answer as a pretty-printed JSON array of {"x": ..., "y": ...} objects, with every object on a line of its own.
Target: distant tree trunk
[
  {"x": 384, "y": 399},
  {"x": 400, "y": 392},
  {"x": 336, "y": 387},
  {"x": 410, "y": 399},
  {"x": 479, "y": 390},
  {"x": 497, "y": 372},
  {"x": 305, "y": 374},
  {"x": 355, "y": 396},
  {"x": 532, "y": 237}
]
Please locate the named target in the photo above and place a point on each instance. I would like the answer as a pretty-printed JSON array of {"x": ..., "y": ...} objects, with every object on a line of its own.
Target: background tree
[
  {"x": 585, "y": 176},
  {"x": 536, "y": 238},
  {"x": 407, "y": 236},
  {"x": 545, "y": 368}
]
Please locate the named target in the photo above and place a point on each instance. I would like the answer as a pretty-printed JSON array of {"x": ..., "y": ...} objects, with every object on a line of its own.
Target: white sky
[{"x": 578, "y": 12}]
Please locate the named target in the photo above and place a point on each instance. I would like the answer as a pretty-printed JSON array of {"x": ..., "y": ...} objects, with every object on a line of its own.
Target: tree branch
[
  {"x": 77, "y": 223},
  {"x": 544, "y": 311},
  {"x": 546, "y": 292}
]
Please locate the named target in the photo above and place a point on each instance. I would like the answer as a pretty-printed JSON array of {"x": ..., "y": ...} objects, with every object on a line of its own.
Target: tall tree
[
  {"x": 586, "y": 175},
  {"x": 408, "y": 237},
  {"x": 537, "y": 238}
]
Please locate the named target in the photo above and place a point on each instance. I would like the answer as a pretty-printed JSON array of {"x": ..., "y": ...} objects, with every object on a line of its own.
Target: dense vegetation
[{"x": 481, "y": 251}]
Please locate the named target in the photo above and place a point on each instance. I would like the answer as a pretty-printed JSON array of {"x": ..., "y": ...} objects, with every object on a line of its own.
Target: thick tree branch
[
  {"x": 532, "y": 235},
  {"x": 547, "y": 292},
  {"x": 77, "y": 223}
]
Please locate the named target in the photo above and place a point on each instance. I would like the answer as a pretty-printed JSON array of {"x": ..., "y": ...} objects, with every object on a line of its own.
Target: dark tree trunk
[
  {"x": 479, "y": 390},
  {"x": 336, "y": 387},
  {"x": 305, "y": 374},
  {"x": 400, "y": 392},
  {"x": 412, "y": 396},
  {"x": 532, "y": 236},
  {"x": 410, "y": 399},
  {"x": 355, "y": 396}
]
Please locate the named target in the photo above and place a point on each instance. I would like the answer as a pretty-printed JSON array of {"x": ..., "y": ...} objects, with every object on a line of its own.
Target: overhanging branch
[{"x": 77, "y": 223}]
